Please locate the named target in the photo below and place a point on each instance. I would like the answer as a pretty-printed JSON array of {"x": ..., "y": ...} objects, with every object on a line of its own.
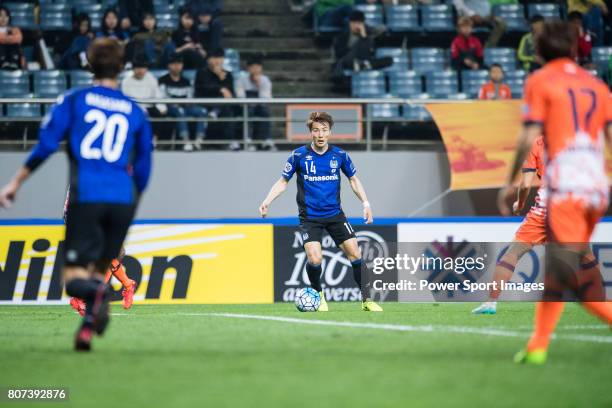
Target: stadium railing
[{"x": 370, "y": 115}]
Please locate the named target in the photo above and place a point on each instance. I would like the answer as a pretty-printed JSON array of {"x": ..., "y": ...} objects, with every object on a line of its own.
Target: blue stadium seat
[
  {"x": 406, "y": 84},
  {"x": 158, "y": 73},
  {"x": 385, "y": 110},
  {"x": 56, "y": 20},
  {"x": 506, "y": 57},
  {"x": 441, "y": 84},
  {"x": 402, "y": 18},
  {"x": 87, "y": 6},
  {"x": 23, "y": 110},
  {"x": 232, "y": 60},
  {"x": 400, "y": 58},
  {"x": 472, "y": 81},
  {"x": 516, "y": 82},
  {"x": 190, "y": 74},
  {"x": 167, "y": 21},
  {"x": 437, "y": 17},
  {"x": 368, "y": 84},
  {"x": 601, "y": 58},
  {"x": 416, "y": 113},
  {"x": 373, "y": 14},
  {"x": 22, "y": 15},
  {"x": 513, "y": 15},
  {"x": 49, "y": 84},
  {"x": 546, "y": 10},
  {"x": 428, "y": 59},
  {"x": 80, "y": 78},
  {"x": 96, "y": 19},
  {"x": 14, "y": 84}
]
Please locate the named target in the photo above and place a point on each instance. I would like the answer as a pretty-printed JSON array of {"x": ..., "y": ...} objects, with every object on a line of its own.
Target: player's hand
[
  {"x": 516, "y": 210},
  {"x": 7, "y": 195},
  {"x": 367, "y": 215},
  {"x": 503, "y": 198},
  {"x": 263, "y": 210}
]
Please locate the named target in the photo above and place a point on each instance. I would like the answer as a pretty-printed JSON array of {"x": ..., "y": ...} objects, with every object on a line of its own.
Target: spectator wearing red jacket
[
  {"x": 585, "y": 42},
  {"x": 495, "y": 88},
  {"x": 466, "y": 49}
]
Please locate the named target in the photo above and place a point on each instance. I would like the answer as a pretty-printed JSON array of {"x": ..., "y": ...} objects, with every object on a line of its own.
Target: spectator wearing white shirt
[{"x": 257, "y": 85}]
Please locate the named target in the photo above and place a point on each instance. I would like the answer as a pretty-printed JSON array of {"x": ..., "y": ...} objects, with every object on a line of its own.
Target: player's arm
[
  {"x": 359, "y": 191},
  {"x": 530, "y": 133},
  {"x": 523, "y": 190},
  {"x": 277, "y": 189},
  {"x": 143, "y": 156},
  {"x": 52, "y": 130}
]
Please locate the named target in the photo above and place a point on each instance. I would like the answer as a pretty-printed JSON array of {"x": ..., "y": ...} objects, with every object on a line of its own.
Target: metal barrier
[{"x": 245, "y": 119}]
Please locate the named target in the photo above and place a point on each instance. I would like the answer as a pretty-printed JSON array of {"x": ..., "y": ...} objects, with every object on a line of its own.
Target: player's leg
[
  {"x": 504, "y": 269},
  {"x": 312, "y": 234},
  {"x": 343, "y": 235}
]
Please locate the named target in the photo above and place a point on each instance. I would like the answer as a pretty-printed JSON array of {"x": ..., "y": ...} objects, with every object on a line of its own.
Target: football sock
[
  {"x": 314, "y": 275},
  {"x": 590, "y": 282},
  {"x": 603, "y": 310},
  {"x": 107, "y": 275},
  {"x": 119, "y": 272},
  {"x": 547, "y": 316},
  {"x": 357, "y": 264},
  {"x": 503, "y": 271}
]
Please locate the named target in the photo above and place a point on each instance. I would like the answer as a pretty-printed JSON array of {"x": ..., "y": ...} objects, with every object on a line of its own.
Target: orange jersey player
[
  {"x": 116, "y": 268},
  {"x": 571, "y": 108}
]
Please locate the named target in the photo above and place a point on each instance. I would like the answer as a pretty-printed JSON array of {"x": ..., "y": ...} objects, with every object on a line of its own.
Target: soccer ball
[{"x": 307, "y": 300}]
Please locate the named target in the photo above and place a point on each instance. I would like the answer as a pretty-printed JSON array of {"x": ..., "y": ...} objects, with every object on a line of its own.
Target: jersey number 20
[{"x": 113, "y": 130}]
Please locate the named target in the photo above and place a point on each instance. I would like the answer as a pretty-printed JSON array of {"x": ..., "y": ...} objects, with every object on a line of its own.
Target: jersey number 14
[
  {"x": 113, "y": 129},
  {"x": 312, "y": 170}
]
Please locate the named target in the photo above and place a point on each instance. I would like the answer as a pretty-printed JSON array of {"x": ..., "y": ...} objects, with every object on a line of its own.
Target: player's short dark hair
[
  {"x": 537, "y": 18},
  {"x": 557, "y": 40},
  {"x": 105, "y": 56},
  {"x": 320, "y": 117}
]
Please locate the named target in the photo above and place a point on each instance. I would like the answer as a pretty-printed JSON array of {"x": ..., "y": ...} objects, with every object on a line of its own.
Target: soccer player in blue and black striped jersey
[
  {"x": 318, "y": 168},
  {"x": 109, "y": 144}
]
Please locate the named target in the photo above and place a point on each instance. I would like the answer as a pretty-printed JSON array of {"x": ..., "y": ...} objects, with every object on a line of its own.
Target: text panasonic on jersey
[{"x": 321, "y": 178}]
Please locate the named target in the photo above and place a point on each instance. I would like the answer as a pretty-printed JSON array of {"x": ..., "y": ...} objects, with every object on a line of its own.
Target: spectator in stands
[
  {"x": 333, "y": 13},
  {"x": 526, "y": 51},
  {"x": 466, "y": 49},
  {"x": 175, "y": 85},
  {"x": 132, "y": 12},
  {"x": 495, "y": 88},
  {"x": 187, "y": 42},
  {"x": 593, "y": 12},
  {"x": 10, "y": 42},
  {"x": 355, "y": 48},
  {"x": 257, "y": 85},
  {"x": 585, "y": 45},
  {"x": 109, "y": 27},
  {"x": 210, "y": 26},
  {"x": 139, "y": 83},
  {"x": 214, "y": 82},
  {"x": 479, "y": 11},
  {"x": 74, "y": 57},
  {"x": 150, "y": 42}
]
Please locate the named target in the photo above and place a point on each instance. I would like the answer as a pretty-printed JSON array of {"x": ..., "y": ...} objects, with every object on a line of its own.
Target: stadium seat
[
  {"x": 385, "y": 110},
  {"x": 49, "y": 84},
  {"x": 516, "y": 82},
  {"x": 441, "y": 84},
  {"x": 14, "y": 84},
  {"x": 23, "y": 110},
  {"x": 506, "y": 57},
  {"x": 373, "y": 14},
  {"x": 406, "y": 84},
  {"x": 368, "y": 84},
  {"x": 402, "y": 18},
  {"x": 472, "y": 81},
  {"x": 601, "y": 58},
  {"x": 232, "y": 60},
  {"x": 400, "y": 58},
  {"x": 546, "y": 10},
  {"x": 52, "y": 20},
  {"x": 437, "y": 17},
  {"x": 190, "y": 74},
  {"x": 513, "y": 15},
  {"x": 22, "y": 15},
  {"x": 158, "y": 73},
  {"x": 167, "y": 21},
  {"x": 416, "y": 113},
  {"x": 86, "y": 5},
  {"x": 80, "y": 78},
  {"x": 428, "y": 59}
]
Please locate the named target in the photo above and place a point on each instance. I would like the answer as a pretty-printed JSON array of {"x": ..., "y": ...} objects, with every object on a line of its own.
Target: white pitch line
[{"x": 405, "y": 328}]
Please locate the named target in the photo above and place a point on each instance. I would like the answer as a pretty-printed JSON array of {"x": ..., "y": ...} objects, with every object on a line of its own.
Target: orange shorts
[
  {"x": 571, "y": 221},
  {"x": 532, "y": 229}
]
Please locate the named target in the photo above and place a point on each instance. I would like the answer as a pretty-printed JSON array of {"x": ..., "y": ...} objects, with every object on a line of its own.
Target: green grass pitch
[{"x": 176, "y": 356}]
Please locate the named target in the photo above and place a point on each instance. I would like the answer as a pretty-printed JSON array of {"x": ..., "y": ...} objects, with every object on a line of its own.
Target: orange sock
[
  {"x": 547, "y": 316},
  {"x": 119, "y": 271},
  {"x": 107, "y": 275},
  {"x": 603, "y": 310}
]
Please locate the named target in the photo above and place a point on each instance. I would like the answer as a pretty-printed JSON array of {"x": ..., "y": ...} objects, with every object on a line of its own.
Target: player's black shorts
[
  {"x": 337, "y": 227},
  {"x": 96, "y": 231}
]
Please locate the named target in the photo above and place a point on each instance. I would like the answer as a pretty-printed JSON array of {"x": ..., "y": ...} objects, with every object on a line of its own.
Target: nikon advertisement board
[{"x": 337, "y": 277}]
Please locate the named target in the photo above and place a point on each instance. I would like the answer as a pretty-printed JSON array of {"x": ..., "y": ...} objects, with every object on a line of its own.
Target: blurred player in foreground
[
  {"x": 318, "y": 167},
  {"x": 115, "y": 269},
  {"x": 106, "y": 132},
  {"x": 532, "y": 230},
  {"x": 572, "y": 109}
]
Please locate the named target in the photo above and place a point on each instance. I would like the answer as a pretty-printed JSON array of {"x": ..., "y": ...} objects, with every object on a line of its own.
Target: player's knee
[{"x": 315, "y": 258}]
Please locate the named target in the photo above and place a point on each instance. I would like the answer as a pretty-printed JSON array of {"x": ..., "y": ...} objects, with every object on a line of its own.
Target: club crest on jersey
[{"x": 333, "y": 163}]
